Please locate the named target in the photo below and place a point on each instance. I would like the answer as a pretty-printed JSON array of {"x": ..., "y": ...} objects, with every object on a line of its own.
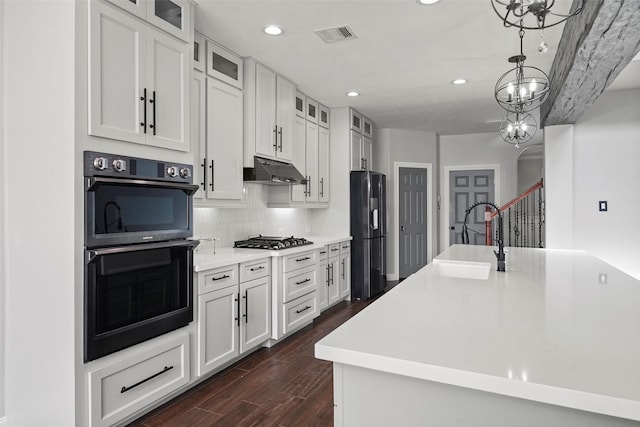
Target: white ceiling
[{"x": 402, "y": 62}]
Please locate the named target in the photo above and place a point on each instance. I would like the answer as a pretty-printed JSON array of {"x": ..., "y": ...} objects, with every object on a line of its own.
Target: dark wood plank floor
[{"x": 280, "y": 386}]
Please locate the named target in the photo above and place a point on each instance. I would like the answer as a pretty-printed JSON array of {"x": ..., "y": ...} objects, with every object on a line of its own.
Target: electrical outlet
[{"x": 307, "y": 229}]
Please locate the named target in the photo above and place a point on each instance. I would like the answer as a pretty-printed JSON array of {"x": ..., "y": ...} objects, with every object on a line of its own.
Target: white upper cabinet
[
  {"x": 323, "y": 165},
  {"x": 313, "y": 183},
  {"x": 224, "y": 65},
  {"x": 138, "y": 81},
  {"x": 224, "y": 141},
  {"x": 361, "y": 140},
  {"x": 199, "y": 52},
  {"x": 312, "y": 111},
  {"x": 172, "y": 16},
  {"x": 324, "y": 116},
  {"x": 269, "y": 113}
]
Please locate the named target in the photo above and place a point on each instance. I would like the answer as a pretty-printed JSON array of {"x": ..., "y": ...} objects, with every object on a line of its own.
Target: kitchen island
[{"x": 554, "y": 341}]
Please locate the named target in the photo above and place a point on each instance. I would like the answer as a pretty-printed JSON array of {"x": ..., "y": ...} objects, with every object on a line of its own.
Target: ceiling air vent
[{"x": 336, "y": 34}]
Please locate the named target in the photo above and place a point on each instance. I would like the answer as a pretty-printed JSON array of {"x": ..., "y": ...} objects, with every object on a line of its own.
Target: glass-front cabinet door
[{"x": 172, "y": 16}]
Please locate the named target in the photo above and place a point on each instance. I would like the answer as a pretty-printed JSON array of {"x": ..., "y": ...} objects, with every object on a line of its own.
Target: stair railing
[{"x": 523, "y": 218}]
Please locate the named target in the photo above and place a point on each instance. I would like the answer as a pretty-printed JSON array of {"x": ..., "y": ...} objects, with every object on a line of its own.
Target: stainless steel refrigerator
[{"x": 368, "y": 229}]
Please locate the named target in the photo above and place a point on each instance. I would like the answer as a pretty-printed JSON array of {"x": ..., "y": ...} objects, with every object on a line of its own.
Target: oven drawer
[
  {"x": 345, "y": 247},
  {"x": 218, "y": 278},
  {"x": 334, "y": 249},
  {"x": 300, "y": 260},
  {"x": 121, "y": 389},
  {"x": 300, "y": 312},
  {"x": 300, "y": 282},
  {"x": 255, "y": 269}
]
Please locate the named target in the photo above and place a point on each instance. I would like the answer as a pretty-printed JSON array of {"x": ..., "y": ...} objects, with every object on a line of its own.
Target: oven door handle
[
  {"x": 93, "y": 253},
  {"x": 97, "y": 181}
]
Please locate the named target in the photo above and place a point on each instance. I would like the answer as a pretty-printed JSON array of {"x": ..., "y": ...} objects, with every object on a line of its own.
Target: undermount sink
[{"x": 462, "y": 269}]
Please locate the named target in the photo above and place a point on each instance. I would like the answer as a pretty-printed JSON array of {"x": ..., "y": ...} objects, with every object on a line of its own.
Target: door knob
[
  {"x": 402, "y": 228},
  {"x": 453, "y": 228}
]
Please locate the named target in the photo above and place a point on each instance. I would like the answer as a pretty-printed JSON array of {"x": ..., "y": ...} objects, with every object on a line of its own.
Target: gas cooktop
[{"x": 271, "y": 242}]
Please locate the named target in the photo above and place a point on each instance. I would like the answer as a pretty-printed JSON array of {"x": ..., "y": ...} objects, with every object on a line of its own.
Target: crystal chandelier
[
  {"x": 522, "y": 88},
  {"x": 534, "y": 14},
  {"x": 518, "y": 128}
]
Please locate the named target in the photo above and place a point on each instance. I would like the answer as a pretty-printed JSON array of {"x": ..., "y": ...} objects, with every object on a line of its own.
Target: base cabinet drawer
[
  {"x": 300, "y": 282},
  {"x": 125, "y": 387},
  {"x": 300, "y": 311},
  {"x": 216, "y": 279},
  {"x": 255, "y": 269},
  {"x": 300, "y": 260}
]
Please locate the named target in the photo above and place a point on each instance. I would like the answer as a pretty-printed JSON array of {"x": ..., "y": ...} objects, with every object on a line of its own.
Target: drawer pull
[
  {"x": 125, "y": 389},
  {"x": 226, "y": 276},
  {"x": 303, "y": 259},
  {"x": 257, "y": 268},
  {"x": 323, "y": 252},
  {"x": 303, "y": 281},
  {"x": 304, "y": 309},
  {"x": 334, "y": 249}
]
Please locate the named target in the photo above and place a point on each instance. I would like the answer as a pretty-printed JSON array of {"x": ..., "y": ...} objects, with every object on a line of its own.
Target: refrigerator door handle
[{"x": 374, "y": 221}]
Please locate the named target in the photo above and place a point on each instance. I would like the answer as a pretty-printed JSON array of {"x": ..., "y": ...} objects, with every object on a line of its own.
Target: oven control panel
[{"x": 114, "y": 165}]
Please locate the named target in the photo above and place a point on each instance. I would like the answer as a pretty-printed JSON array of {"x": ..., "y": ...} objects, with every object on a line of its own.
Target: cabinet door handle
[
  {"x": 343, "y": 269},
  {"x": 333, "y": 276},
  {"x": 153, "y": 102},
  {"x": 237, "y": 301},
  {"x": 303, "y": 259},
  {"x": 257, "y": 268},
  {"x": 321, "y": 187},
  {"x": 275, "y": 138},
  {"x": 303, "y": 281},
  {"x": 246, "y": 306},
  {"x": 328, "y": 279},
  {"x": 212, "y": 178},
  {"x": 304, "y": 309},
  {"x": 226, "y": 276},
  {"x": 143, "y": 98},
  {"x": 124, "y": 389},
  {"x": 309, "y": 184},
  {"x": 204, "y": 174},
  {"x": 280, "y": 133}
]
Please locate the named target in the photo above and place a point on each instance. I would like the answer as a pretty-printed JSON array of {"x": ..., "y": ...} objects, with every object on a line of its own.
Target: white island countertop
[{"x": 559, "y": 327}]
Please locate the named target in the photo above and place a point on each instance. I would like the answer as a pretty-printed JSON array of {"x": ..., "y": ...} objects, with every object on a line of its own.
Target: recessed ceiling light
[
  {"x": 273, "y": 30},
  {"x": 458, "y": 82},
  {"x": 352, "y": 93},
  {"x": 427, "y": 1}
]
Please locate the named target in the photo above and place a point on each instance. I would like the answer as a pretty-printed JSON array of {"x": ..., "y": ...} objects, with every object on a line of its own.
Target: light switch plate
[{"x": 602, "y": 205}]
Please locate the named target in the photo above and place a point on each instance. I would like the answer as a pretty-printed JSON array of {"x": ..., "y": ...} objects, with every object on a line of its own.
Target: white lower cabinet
[
  {"x": 345, "y": 269},
  {"x": 335, "y": 270},
  {"x": 142, "y": 377},
  {"x": 233, "y": 317},
  {"x": 297, "y": 294},
  {"x": 218, "y": 323},
  {"x": 255, "y": 319}
]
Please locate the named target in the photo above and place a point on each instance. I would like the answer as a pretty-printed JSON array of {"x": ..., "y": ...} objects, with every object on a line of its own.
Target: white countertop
[
  {"x": 224, "y": 256},
  {"x": 559, "y": 327}
]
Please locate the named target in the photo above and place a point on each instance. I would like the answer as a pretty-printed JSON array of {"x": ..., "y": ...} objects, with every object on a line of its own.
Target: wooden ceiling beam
[{"x": 594, "y": 48}]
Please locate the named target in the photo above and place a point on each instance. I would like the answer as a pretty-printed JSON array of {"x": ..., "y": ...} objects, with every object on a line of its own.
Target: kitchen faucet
[{"x": 500, "y": 255}]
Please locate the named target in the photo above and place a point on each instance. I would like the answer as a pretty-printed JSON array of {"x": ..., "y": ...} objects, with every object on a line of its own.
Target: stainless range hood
[{"x": 273, "y": 172}]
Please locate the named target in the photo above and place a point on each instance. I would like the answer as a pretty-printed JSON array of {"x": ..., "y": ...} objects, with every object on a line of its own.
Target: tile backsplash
[{"x": 231, "y": 224}]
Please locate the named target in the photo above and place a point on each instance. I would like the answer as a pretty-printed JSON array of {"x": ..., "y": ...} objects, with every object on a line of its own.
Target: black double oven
[{"x": 138, "y": 281}]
